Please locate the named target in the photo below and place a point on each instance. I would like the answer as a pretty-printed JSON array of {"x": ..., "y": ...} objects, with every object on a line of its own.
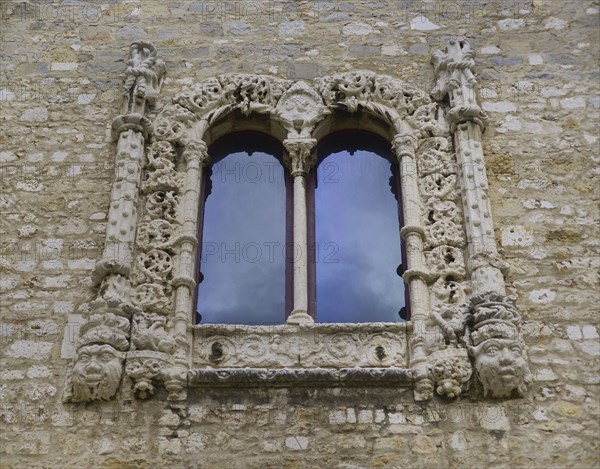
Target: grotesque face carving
[
  {"x": 96, "y": 373},
  {"x": 501, "y": 367}
]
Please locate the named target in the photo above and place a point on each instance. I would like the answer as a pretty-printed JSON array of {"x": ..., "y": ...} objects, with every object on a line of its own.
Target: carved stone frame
[{"x": 147, "y": 276}]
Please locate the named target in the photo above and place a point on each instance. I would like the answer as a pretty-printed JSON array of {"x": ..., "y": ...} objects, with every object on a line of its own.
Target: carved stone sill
[
  {"x": 255, "y": 377},
  {"x": 309, "y": 347}
]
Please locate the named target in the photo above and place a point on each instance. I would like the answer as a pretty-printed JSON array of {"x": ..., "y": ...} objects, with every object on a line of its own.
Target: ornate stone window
[{"x": 141, "y": 334}]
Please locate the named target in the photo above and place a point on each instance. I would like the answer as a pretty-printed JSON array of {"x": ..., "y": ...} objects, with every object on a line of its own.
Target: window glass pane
[
  {"x": 243, "y": 241},
  {"x": 357, "y": 239}
]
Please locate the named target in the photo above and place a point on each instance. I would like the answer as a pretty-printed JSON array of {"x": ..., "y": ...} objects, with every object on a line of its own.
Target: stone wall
[{"x": 60, "y": 89}]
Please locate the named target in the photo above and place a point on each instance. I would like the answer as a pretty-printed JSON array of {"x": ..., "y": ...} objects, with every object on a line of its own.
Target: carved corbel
[
  {"x": 497, "y": 347},
  {"x": 97, "y": 369},
  {"x": 147, "y": 368},
  {"x": 451, "y": 370}
]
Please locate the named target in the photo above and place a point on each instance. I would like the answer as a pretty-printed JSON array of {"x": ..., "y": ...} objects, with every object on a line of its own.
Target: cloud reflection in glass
[
  {"x": 243, "y": 241},
  {"x": 355, "y": 209}
]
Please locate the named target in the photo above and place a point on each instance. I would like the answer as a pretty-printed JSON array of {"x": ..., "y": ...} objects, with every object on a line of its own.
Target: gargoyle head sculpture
[
  {"x": 97, "y": 368},
  {"x": 497, "y": 347},
  {"x": 97, "y": 372}
]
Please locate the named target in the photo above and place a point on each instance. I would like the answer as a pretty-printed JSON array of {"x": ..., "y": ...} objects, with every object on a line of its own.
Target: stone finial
[
  {"x": 454, "y": 69},
  {"x": 143, "y": 77}
]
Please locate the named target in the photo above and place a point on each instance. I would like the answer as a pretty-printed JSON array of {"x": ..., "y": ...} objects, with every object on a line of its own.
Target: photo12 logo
[
  {"x": 69, "y": 12},
  {"x": 268, "y": 10},
  {"x": 48, "y": 90},
  {"x": 269, "y": 252}
]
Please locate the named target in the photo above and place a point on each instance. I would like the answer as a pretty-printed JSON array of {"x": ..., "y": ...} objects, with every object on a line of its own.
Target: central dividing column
[{"x": 299, "y": 159}]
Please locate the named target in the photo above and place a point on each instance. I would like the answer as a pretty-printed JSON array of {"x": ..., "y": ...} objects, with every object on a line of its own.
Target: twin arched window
[{"x": 354, "y": 247}]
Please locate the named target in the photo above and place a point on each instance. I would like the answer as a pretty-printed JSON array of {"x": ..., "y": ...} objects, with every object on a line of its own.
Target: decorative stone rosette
[{"x": 450, "y": 369}]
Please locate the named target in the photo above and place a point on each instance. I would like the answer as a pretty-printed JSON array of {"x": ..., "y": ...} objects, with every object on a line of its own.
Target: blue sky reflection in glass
[
  {"x": 357, "y": 239},
  {"x": 243, "y": 242}
]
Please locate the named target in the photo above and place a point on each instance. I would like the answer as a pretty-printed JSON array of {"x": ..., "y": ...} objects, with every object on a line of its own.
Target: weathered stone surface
[{"x": 59, "y": 88}]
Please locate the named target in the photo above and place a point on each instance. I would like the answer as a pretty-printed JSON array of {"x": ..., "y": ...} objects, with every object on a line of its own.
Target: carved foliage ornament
[{"x": 464, "y": 303}]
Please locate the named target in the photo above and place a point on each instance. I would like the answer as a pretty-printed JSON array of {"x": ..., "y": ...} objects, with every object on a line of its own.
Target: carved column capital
[
  {"x": 404, "y": 145},
  {"x": 405, "y": 141},
  {"x": 196, "y": 151},
  {"x": 300, "y": 158}
]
